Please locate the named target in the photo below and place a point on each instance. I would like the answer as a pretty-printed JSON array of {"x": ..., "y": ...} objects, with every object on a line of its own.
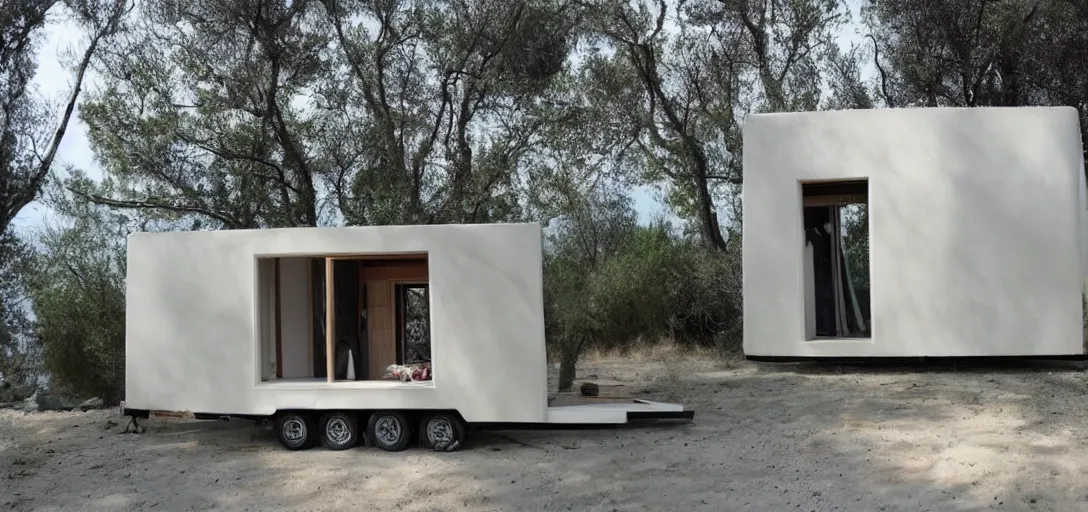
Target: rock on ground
[
  {"x": 11, "y": 393},
  {"x": 590, "y": 389},
  {"x": 55, "y": 402},
  {"x": 92, "y": 403}
]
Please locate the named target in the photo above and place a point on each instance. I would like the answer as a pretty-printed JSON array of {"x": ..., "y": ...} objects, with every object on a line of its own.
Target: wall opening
[
  {"x": 268, "y": 334},
  {"x": 836, "y": 259},
  {"x": 343, "y": 318},
  {"x": 413, "y": 323}
]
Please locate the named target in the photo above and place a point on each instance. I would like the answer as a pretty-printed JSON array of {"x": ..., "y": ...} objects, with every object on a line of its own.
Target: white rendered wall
[
  {"x": 295, "y": 318},
  {"x": 977, "y": 218},
  {"x": 191, "y": 339}
]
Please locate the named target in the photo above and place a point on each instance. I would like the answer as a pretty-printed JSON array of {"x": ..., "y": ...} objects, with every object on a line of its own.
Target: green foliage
[
  {"x": 21, "y": 117},
  {"x": 675, "y": 80},
  {"x": 251, "y": 114},
  {"x": 29, "y": 139},
  {"x": 1084, "y": 321},
  {"x": 706, "y": 300},
  {"x": 610, "y": 283},
  {"x": 19, "y": 357},
  {"x": 628, "y": 294},
  {"x": 29, "y": 143},
  {"x": 981, "y": 52},
  {"x": 855, "y": 227},
  {"x": 79, "y": 302}
]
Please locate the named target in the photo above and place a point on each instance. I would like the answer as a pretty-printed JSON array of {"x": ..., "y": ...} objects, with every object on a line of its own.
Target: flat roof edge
[
  {"x": 897, "y": 110},
  {"x": 386, "y": 227}
]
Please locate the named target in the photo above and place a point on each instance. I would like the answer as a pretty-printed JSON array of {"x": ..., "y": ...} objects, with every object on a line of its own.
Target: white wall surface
[
  {"x": 295, "y": 318},
  {"x": 191, "y": 340},
  {"x": 976, "y": 229}
]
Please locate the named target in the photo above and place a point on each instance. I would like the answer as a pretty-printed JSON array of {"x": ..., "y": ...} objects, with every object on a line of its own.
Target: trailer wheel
[
  {"x": 339, "y": 431},
  {"x": 389, "y": 430},
  {"x": 296, "y": 431},
  {"x": 442, "y": 433}
]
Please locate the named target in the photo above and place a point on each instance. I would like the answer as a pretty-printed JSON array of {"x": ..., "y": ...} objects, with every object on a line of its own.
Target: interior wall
[
  {"x": 382, "y": 329},
  {"x": 974, "y": 218},
  {"x": 295, "y": 348},
  {"x": 266, "y": 268},
  {"x": 317, "y": 314}
]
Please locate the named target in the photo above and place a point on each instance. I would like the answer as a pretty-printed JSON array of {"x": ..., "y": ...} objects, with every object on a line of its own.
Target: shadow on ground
[
  {"x": 766, "y": 437},
  {"x": 926, "y": 366}
]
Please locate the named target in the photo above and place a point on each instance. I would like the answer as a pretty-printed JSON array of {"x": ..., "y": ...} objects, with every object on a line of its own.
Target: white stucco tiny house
[
  {"x": 976, "y": 224},
  {"x": 233, "y": 323}
]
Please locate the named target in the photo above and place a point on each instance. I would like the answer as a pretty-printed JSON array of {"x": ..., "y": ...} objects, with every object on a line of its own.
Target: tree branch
[
  {"x": 45, "y": 163},
  {"x": 152, "y": 204},
  {"x": 883, "y": 74}
]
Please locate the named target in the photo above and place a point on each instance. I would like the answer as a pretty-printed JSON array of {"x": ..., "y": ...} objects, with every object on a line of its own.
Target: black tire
[
  {"x": 296, "y": 431},
  {"x": 442, "y": 432},
  {"x": 389, "y": 430},
  {"x": 339, "y": 430}
]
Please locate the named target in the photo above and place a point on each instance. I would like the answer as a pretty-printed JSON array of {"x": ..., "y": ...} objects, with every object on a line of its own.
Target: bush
[
  {"x": 20, "y": 362},
  {"x": 646, "y": 284},
  {"x": 605, "y": 290},
  {"x": 630, "y": 291},
  {"x": 78, "y": 295},
  {"x": 706, "y": 308},
  {"x": 81, "y": 325}
]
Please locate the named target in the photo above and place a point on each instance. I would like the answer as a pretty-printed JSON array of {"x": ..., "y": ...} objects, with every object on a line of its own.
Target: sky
[{"x": 54, "y": 81}]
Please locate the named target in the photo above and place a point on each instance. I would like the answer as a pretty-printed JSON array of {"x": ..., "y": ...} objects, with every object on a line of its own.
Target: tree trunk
[
  {"x": 712, "y": 230},
  {"x": 568, "y": 360}
]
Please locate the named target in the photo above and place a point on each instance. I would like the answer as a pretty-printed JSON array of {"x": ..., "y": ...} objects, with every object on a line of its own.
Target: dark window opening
[
  {"x": 414, "y": 324},
  {"x": 836, "y": 226}
]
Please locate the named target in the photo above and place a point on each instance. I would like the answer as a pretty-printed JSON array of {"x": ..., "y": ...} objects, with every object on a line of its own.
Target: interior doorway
[
  {"x": 836, "y": 259},
  {"x": 343, "y": 317}
]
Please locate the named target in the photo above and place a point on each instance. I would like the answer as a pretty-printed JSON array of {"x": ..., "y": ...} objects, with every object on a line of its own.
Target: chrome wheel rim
[
  {"x": 294, "y": 430},
  {"x": 338, "y": 431},
  {"x": 439, "y": 431},
  {"x": 387, "y": 430}
]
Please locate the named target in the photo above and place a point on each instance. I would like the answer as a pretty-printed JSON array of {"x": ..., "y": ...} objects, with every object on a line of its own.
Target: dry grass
[
  {"x": 659, "y": 351},
  {"x": 671, "y": 365},
  {"x": 670, "y": 361}
]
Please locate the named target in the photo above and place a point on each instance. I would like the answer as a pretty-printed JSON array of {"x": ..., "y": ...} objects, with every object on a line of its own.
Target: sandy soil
[{"x": 766, "y": 437}]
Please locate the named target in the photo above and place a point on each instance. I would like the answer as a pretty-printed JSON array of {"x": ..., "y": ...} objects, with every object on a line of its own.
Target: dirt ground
[{"x": 811, "y": 437}]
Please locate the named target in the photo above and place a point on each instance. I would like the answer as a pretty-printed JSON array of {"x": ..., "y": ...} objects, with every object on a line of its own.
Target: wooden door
[{"x": 382, "y": 330}]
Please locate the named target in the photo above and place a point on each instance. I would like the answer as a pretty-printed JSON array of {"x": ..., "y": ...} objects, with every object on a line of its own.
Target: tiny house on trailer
[
  {"x": 301, "y": 325},
  {"x": 976, "y": 229}
]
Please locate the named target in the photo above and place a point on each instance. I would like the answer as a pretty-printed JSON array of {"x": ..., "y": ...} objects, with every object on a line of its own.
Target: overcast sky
[{"x": 54, "y": 81}]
